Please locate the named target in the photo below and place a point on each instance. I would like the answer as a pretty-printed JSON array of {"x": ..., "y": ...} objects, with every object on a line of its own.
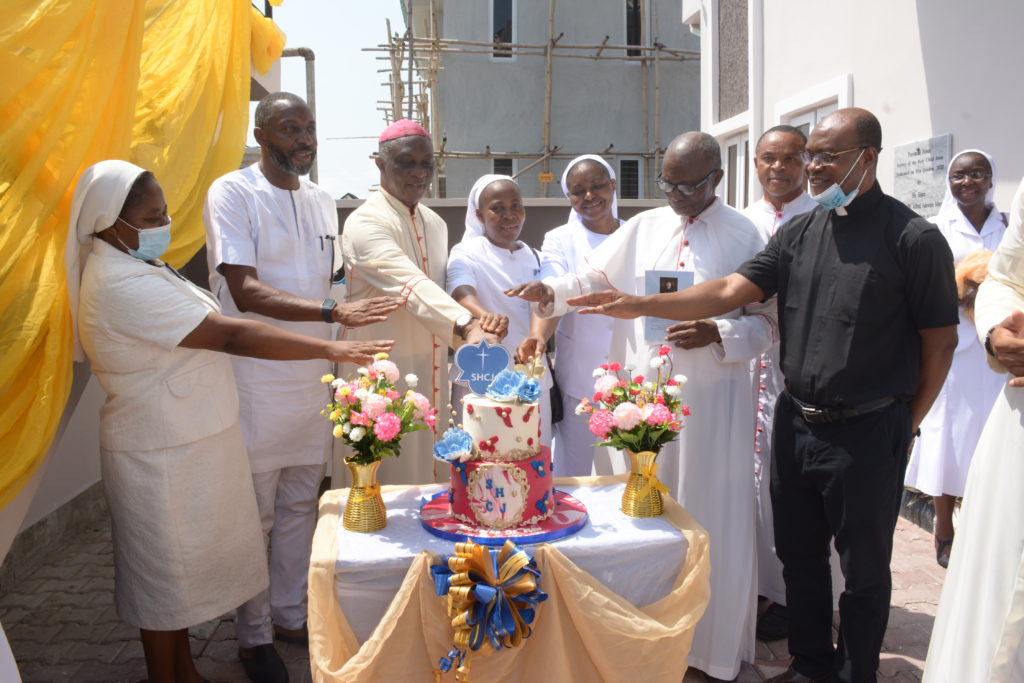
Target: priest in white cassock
[
  {"x": 979, "y": 628},
  {"x": 394, "y": 245},
  {"x": 708, "y": 469},
  {"x": 779, "y": 165}
]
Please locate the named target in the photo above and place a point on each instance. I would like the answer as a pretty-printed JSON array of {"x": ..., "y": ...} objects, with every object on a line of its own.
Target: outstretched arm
[{"x": 704, "y": 300}]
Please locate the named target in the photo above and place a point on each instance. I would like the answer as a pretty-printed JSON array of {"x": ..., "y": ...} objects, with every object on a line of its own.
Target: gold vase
[
  {"x": 642, "y": 497},
  {"x": 364, "y": 511}
]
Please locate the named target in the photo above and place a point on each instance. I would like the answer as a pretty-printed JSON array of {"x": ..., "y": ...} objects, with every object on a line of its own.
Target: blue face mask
[
  {"x": 833, "y": 197},
  {"x": 153, "y": 242}
]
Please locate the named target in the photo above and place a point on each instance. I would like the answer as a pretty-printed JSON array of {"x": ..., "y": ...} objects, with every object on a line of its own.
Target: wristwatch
[
  {"x": 988, "y": 342},
  {"x": 462, "y": 324},
  {"x": 326, "y": 308}
]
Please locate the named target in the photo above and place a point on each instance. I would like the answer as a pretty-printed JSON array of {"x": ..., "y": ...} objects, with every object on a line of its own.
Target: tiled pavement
[{"x": 62, "y": 625}]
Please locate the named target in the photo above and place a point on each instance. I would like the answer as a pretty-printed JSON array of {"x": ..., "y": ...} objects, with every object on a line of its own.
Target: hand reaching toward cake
[
  {"x": 366, "y": 311},
  {"x": 610, "y": 302},
  {"x": 536, "y": 292},
  {"x": 494, "y": 323},
  {"x": 530, "y": 348}
]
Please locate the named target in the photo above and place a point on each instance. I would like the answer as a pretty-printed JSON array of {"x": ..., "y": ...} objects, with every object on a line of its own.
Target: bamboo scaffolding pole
[
  {"x": 546, "y": 142},
  {"x": 657, "y": 112},
  {"x": 449, "y": 42},
  {"x": 646, "y": 117},
  {"x": 544, "y": 159},
  {"x": 558, "y": 56}
]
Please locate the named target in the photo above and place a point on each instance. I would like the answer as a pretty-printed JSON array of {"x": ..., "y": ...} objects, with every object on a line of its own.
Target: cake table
[{"x": 624, "y": 595}]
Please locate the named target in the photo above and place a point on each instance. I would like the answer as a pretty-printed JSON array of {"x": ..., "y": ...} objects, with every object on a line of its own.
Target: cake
[{"x": 500, "y": 473}]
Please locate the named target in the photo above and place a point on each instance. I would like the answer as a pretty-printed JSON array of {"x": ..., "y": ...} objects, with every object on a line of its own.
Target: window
[
  {"x": 733, "y": 55},
  {"x": 442, "y": 186},
  {"x": 502, "y": 28},
  {"x": 502, "y": 167},
  {"x": 737, "y": 170},
  {"x": 634, "y": 28},
  {"x": 807, "y": 120},
  {"x": 629, "y": 178}
]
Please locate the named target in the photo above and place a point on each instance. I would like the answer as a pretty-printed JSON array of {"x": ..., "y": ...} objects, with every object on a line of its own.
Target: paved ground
[{"x": 62, "y": 625}]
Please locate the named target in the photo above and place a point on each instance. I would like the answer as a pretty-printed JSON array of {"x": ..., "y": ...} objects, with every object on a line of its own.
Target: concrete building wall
[
  {"x": 924, "y": 68},
  {"x": 487, "y": 101}
]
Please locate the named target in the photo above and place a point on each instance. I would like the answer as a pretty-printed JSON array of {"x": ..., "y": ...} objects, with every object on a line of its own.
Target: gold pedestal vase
[
  {"x": 642, "y": 497},
  {"x": 364, "y": 511}
]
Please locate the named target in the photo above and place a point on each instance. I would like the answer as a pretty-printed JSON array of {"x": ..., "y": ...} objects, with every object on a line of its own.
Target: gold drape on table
[{"x": 582, "y": 632}]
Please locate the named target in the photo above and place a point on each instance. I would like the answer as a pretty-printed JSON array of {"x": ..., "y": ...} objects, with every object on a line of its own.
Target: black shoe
[
  {"x": 773, "y": 624},
  {"x": 262, "y": 664},
  {"x": 295, "y": 636},
  {"x": 793, "y": 676}
]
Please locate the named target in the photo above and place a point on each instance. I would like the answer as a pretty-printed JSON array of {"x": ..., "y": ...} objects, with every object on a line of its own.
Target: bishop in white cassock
[{"x": 708, "y": 469}]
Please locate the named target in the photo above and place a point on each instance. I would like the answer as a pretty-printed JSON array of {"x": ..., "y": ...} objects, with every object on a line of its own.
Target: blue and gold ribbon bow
[
  {"x": 491, "y": 597},
  {"x": 649, "y": 472}
]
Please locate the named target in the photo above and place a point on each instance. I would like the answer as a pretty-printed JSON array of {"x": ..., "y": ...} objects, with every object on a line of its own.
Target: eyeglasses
[
  {"x": 826, "y": 158},
  {"x": 973, "y": 175},
  {"x": 682, "y": 188}
]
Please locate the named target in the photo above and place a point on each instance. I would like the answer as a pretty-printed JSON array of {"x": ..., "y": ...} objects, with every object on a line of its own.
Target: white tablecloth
[{"x": 639, "y": 559}]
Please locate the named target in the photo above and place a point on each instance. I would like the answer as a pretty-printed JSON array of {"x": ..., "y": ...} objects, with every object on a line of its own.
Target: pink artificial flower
[
  {"x": 659, "y": 399},
  {"x": 386, "y": 368},
  {"x": 374, "y": 406},
  {"x": 671, "y": 382},
  {"x": 421, "y": 403},
  {"x": 614, "y": 367},
  {"x": 596, "y": 398},
  {"x": 605, "y": 383},
  {"x": 600, "y": 423},
  {"x": 656, "y": 414},
  {"x": 387, "y": 427},
  {"x": 431, "y": 419},
  {"x": 664, "y": 350},
  {"x": 686, "y": 410},
  {"x": 627, "y": 415},
  {"x": 392, "y": 395},
  {"x": 358, "y": 418},
  {"x": 639, "y": 379},
  {"x": 603, "y": 366}
]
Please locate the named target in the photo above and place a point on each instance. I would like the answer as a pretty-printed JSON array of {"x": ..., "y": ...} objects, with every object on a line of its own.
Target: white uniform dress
[
  {"x": 286, "y": 236},
  {"x": 586, "y": 340},
  {"x": 770, "y": 383},
  {"x": 708, "y": 468},
  {"x": 950, "y": 430},
  {"x": 979, "y": 629},
  {"x": 186, "y": 535},
  {"x": 490, "y": 270}
]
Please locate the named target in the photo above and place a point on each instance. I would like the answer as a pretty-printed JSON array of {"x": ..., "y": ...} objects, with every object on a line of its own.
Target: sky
[{"x": 347, "y": 82}]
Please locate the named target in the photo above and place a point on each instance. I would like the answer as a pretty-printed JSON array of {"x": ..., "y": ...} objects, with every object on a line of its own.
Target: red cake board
[{"x": 570, "y": 516}]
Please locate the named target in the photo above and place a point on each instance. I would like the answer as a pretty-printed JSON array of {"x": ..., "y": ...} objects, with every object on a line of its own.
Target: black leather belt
[{"x": 826, "y": 415}]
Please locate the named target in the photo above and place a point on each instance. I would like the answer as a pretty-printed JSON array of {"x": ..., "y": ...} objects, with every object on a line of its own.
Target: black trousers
[{"x": 842, "y": 481}]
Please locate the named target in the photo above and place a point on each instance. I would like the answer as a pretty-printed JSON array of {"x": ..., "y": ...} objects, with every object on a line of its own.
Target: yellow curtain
[{"x": 162, "y": 83}]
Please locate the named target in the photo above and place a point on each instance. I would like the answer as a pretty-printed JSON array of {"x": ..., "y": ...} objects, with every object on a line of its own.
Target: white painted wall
[{"x": 923, "y": 68}]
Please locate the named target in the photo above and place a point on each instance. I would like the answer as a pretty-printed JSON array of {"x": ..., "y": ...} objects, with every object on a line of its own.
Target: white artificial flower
[
  {"x": 337, "y": 383},
  {"x": 681, "y": 379},
  {"x": 346, "y": 427},
  {"x": 363, "y": 371},
  {"x": 629, "y": 367},
  {"x": 672, "y": 390},
  {"x": 579, "y": 409},
  {"x": 649, "y": 386},
  {"x": 597, "y": 372},
  {"x": 357, "y": 434},
  {"x": 412, "y": 380},
  {"x": 657, "y": 362},
  {"x": 361, "y": 393}
]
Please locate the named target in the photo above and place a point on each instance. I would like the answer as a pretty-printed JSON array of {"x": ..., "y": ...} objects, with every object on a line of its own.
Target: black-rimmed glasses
[
  {"x": 826, "y": 158},
  {"x": 682, "y": 188}
]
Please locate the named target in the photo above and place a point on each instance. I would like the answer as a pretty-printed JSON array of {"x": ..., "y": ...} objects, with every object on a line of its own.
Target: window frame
[{"x": 513, "y": 57}]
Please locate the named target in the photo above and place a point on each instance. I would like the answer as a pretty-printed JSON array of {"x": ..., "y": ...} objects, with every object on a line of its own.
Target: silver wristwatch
[{"x": 462, "y": 324}]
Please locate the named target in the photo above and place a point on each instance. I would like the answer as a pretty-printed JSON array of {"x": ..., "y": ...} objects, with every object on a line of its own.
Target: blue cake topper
[{"x": 479, "y": 363}]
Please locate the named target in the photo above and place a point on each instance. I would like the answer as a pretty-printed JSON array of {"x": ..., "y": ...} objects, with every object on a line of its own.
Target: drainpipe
[{"x": 307, "y": 54}]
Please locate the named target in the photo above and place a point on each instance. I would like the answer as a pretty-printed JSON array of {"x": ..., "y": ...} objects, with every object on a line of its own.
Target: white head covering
[
  {"x": 573, "y": 216},
  {"x": 475, "y": 226},
  {"x": 949, "y": 204},
  {"x": 99, "y": 196}
]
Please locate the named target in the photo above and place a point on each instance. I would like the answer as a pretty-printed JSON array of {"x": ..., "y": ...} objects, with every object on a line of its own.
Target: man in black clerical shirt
[{"x": 867, "y": 317}]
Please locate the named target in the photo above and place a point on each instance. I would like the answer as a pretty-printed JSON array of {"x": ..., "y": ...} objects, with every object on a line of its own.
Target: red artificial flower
[
  {"x": 664, "y": 350},
  {"x": 671, "y": 382},
  {"x": 639, "y": 379},
  {"x": 597, "y": 397},
  {"x": 614, "y": 367},
  {"x": 603, "y": 366},
  {"x": 659, "y": 399},
  {"x": 686, "y": 410}
]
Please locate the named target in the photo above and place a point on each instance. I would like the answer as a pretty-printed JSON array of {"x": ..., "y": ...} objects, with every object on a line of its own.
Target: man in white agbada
[
  {"x": 970, "y": 222},
  {"x": 979, "y": 629},
  {"x": 394, "y": 245},
  {"x": 270, "y": 237},
  {"x": 708, "y": 469},
  {"x": 589, "y": 184},
  {"x": 783, "y": 178}
]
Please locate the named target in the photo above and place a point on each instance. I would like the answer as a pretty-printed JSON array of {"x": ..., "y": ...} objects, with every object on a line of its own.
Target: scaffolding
[{"x": 411, "y": 88}]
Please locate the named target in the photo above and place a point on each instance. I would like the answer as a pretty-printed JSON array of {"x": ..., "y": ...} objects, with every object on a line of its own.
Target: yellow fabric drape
[
  {"x": 582, "y": 632},
  {"x": 162, "y": 83}
]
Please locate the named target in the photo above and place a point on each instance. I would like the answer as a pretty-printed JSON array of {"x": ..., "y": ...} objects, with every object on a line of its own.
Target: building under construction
[{"x": 522, "y": 86}]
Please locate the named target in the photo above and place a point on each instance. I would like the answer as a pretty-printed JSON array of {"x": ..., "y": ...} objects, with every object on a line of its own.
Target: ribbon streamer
[
  {"x": 649, "y": 473},
  {"x": 491, "y": 598}
]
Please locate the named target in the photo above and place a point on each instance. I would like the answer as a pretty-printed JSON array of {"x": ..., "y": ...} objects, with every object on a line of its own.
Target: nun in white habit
[
  {"x": 970, "y": 222},
  {"x": 490, "y": 259}
]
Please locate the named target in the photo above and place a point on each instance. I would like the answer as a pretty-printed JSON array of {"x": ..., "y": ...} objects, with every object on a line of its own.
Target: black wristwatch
[
  {"x": 326, "y": 308},
  {"x": 988, "y": 342}
]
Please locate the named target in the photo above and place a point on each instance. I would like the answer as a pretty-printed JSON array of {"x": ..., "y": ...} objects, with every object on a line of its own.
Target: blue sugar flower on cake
[
  {"x": 506, "y": 385},
  {"x": 456, "y": 445},
  {"x": 529, "y": 391}
]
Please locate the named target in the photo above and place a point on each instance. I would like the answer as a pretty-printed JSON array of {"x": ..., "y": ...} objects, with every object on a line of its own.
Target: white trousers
[
  {"x": 287, "y": 501},
  {"x": 574, "y": 452}
]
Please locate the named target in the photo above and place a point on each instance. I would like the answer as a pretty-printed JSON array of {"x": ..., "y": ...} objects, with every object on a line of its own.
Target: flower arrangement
[
  {"x": 636, "y": 413},
  {"x": 371, "y": 415}
]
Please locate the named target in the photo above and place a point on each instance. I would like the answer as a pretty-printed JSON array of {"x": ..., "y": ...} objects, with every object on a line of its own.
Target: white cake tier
[{"x": 501, "y": 431}]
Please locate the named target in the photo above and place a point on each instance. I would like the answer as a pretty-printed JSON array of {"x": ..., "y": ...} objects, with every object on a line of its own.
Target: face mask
[
  {"x": 834, "y": 197},
  {"x": 152, "y": 242}
]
